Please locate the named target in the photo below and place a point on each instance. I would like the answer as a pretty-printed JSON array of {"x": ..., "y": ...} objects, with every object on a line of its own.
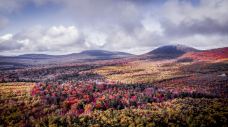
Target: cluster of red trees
[{"x": 83, "y": 97}]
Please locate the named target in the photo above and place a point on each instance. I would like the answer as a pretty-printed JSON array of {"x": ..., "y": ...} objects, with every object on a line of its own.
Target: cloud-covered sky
[{"x": 135, "y": 26}]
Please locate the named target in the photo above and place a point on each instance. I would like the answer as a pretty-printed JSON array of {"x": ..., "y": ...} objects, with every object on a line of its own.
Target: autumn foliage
[{"x": 209, "y": 55}]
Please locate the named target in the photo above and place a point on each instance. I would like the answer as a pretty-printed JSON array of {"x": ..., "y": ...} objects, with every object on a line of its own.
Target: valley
[{"x": 169, "y": 86}]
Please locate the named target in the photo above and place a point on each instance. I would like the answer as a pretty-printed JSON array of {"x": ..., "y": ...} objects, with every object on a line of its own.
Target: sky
[{"x": 133, "y": 26}]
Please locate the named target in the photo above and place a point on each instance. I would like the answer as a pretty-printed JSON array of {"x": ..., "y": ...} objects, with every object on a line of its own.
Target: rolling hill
[
  {"x": 34, "y": 59},
  {"x": 208, "y": 55}
]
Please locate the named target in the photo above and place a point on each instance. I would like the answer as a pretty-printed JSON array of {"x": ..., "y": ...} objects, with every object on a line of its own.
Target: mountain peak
[
  {"x": 173, "y": 49},
  {"x": 170, "y": 51}
]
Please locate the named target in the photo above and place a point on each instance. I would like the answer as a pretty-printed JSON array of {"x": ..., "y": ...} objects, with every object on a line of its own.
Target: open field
[
  {"x": 141, "y": 71},
  {"x": 204, "y": 77}
]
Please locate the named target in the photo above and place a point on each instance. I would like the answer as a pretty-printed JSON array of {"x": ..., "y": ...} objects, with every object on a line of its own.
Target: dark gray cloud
[
  {"x": 7, "y": 43},
  {"x": 204, "y": 27}
]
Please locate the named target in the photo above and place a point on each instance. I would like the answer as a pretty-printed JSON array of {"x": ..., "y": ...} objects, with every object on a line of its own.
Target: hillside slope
[{"x": 213, "y": 54}]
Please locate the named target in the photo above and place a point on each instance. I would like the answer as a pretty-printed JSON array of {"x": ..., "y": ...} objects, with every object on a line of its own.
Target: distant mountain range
[
  {"x": 179, "y": 52},
  {"x": 87, "y": 54},
  {"x": 163, "y": 52},
  {"x": 34, "y": 59}
]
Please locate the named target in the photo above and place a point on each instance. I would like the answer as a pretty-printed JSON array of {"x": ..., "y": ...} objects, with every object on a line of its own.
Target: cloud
[
  {"x": 123, "y": 25},
  {"x": 182, "y": 18},
  {"x": 200, "y": 25},
  {"x": 13, "y": 6},
  {"x": 9, "y": 6},
  {"x": 104, "y": 13},
  {"x": 40, "y": 39},
  {"x": 8, "y": 43},
  {"x": 94, "y": 39},
  {"x": 3, "y": 22}
]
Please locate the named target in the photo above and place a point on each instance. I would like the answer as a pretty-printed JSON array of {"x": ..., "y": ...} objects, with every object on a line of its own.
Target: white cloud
[
  {"x": 94, "y": 38},
  {"x": 5, "y": 37},
  {"x": 60, "y": 36},
  {"x": 203, "y": 42},
  {"x": 138, "y": 50},
  {"x": 56, "y": 38},
  {"x": 152, "y": 26}
]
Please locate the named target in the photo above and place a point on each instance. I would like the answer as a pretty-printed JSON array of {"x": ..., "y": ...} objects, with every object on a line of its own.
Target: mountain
[
  {"x": 173, "y": 49},
  {"x": 96, "y": 54},
  {"x": 36, "y": 56},
  {"x": 88, "y": 55},
  {"x": 170, "y": 51},
  {"x": 102, "y": 54},
  {"x": 208, "y": 55}
]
